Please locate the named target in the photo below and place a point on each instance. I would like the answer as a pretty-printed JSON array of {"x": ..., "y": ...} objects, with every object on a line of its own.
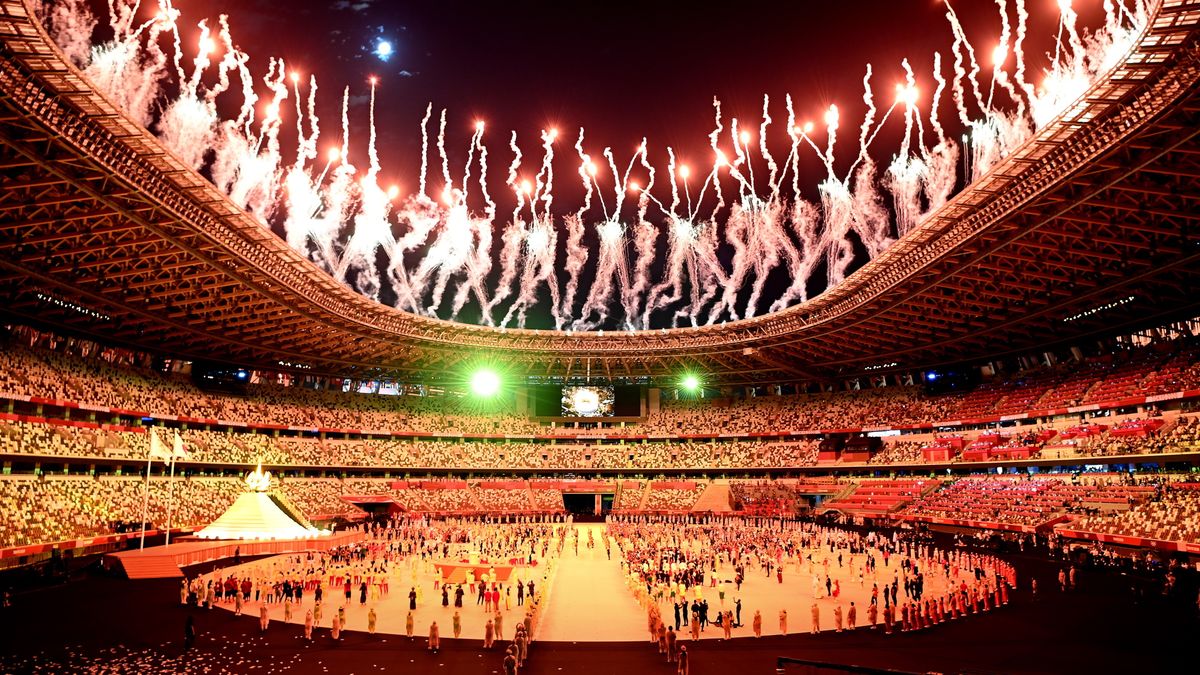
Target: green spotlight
[
  {"x": 691, "y": 382},
  {"x": 485, "y": 383}
]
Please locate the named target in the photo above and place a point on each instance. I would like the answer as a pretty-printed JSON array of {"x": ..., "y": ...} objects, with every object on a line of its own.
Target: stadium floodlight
[
  {"x": 691, "y": 382},
  {"x": 485, "y": 383}
]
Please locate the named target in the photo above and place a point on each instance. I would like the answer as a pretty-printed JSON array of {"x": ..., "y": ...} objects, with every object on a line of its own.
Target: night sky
[{"x": 622, "y": 70}]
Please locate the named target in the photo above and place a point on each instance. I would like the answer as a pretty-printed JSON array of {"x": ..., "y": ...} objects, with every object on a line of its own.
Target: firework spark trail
[
  {"x": 258, "y": 187},
  {"x": 903, "y": 175},
  {"x": 441, "y": 148},
  {"x": 462, "y": 291},
  {"x": 1070, "y": 22},
  {"x": 479, "y": 264},
  {"x": 229, "y": 62},
  {"x": 772, "y": 167},
  {"x": 740, "y": 228},
  {"x": 934, "y": 120},
  {"x": 1014, "y": 127},
  {"x": 982, "y": 135},
  {"x": 794, "y": 134},
  {"x": 799, "y": 259},
  {"x": 768, "y": 245},
  {"x": 673, "y": 171},
  {"x": 457, "y": 243},
  {"x": 1000, "y": 54},
  {"x": 868, "y": 119},
  {"x": 541, "y": 242},
  {"x": 769, "y": 241},
  {"x": 645, "y": 237},
  {"x": 869, "y": 218},
  {"x": 737, "y": 229},
  {"x": 961, "y": 40},
  {"x": 372, "y": 227},
  {"x": 449, "y": 252},
  {"x": 471, "y": 148},
  {"x": 611, "y": 265},
  {"x": 710, "y": 272},
  {"x": 959, "y": 95},
  {"x": 188, "y": 123},
  {"x": 540, "y": 246},
  {"x": 835, "y": 205},
  {"x": 424, "y": 149},
  {"x": 740, "y": 158},
  {"x": 489, "y": 203},
  {"x": 805, "y": 220},
  {"x": 577, "y": 257},
  {"x": 679, "y": 234},
  {"x": 704, "y": 270},
  {"x": 544, "y": 181},
  {"x": 177, "y": 44},
  {"x": 941, "y": 162},
  {"x": 301, "y": 191},
  {"x": 718, "y": 160},
  {"x": 327, "y": 214},
  {"x": 576, "y": 253},
  {"x": 1019, "y": 50},
  {"x": 131, "y": 79},
  {"x": 245, "y": 116}
]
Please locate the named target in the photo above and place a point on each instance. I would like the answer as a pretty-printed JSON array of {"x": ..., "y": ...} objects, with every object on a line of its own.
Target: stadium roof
[{"x": 1089, "y": 228}]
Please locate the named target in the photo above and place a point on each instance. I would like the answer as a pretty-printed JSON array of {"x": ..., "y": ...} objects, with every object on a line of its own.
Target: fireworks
[{"x": 601, "y": 265}]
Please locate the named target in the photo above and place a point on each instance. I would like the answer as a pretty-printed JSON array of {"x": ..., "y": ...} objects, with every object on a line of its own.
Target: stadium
[{"x": 274, "y": 401}]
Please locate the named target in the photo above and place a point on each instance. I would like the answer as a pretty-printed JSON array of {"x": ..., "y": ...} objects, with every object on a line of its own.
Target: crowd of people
[
  {"x": 61, "y": 508},
  {"x": 251, "y": 447},
  {"x": 81, "y": 372},
  {"x": 50, "y": 508},
  {"x": 321, "y": 594},
  {"x": 1028, "y": 500},
  {"x": 692, "y": 573},
  {"x": 73, "y": 439}
]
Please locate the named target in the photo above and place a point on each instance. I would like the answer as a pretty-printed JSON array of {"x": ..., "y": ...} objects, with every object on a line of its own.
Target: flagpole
[
  {"x": 146, "y": 492},
  {"x": 170, "y": 495}
]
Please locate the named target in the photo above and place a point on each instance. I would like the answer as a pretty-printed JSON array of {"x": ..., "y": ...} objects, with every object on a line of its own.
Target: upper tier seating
[{"x": 108, "y": 378}]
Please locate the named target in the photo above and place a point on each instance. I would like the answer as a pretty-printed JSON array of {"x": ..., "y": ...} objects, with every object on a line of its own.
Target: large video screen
[{"x": 587, "y": 401}]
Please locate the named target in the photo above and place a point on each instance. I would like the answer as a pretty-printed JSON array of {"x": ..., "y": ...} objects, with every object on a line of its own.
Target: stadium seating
[
  {"x": 1029, "y": 501},
  {"x": 1172, "y": 516},
  {"x": 879, "y": 496}
]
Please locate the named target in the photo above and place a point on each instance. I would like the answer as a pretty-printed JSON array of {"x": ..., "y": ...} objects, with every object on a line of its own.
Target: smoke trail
[
  {"x": 772, "y": 168},
  {"x": 806, "y": 221},
  {"x": 645, "y": 238},
  {"x": 513, "y": 235},
  {"x": 71, "y": 24},
  {"x": 576, "y": 253},
  {"x": 441, "y": 147}
]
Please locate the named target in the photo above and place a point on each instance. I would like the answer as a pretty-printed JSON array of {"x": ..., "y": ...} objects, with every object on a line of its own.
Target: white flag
[
  {"x": 157, "y": 449},
  {"x": 178, "y": 451}
]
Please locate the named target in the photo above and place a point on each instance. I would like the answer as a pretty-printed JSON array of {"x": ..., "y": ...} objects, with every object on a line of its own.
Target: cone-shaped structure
[{"x": 258, "y": 515}]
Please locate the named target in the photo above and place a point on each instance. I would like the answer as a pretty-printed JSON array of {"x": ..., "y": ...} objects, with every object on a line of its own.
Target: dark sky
[{"x": 622, "y": 70}]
